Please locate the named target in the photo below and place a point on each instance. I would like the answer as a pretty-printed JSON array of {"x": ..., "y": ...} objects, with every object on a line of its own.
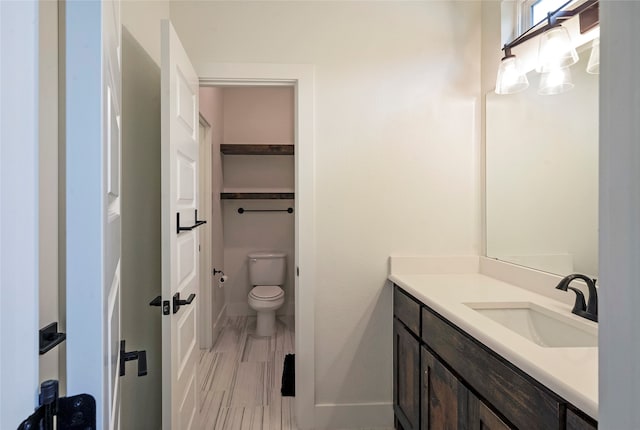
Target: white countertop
[{"x": 571, "y": 373}]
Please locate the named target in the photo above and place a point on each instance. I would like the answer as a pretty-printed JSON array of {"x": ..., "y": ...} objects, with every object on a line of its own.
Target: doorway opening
[{"x": 251, "y": 205}]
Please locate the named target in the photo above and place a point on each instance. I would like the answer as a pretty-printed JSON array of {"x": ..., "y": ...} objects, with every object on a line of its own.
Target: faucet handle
[{"x": 580, "y": 305}]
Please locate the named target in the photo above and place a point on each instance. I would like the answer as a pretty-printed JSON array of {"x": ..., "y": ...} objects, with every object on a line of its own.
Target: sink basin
[{"x": 538, "y": 324}]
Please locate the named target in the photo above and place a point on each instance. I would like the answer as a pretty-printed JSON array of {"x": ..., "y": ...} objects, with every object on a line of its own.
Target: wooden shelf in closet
[
  {"x": 256, "y": 149},
  {"x": 255, "y": 196}
]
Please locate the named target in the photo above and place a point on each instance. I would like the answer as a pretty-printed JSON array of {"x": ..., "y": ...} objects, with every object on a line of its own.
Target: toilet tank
[{"x": 267, "y": 268}]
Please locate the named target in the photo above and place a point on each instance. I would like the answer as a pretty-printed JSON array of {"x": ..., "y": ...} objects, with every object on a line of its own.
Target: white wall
[
  {"x": 396, "y": 156},
  {"x": 211, "y": 100},
  {"x": 258, "y": 115}
]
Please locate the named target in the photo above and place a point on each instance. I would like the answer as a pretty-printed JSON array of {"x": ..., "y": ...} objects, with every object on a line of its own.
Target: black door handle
[
  {"x": 177, "y": 302},
  {"x": 141, "y": 356},
  {"x": 197, "y": 224},
  {"x": 158, "y": 302},
  {"x": 49, "y": 337}
]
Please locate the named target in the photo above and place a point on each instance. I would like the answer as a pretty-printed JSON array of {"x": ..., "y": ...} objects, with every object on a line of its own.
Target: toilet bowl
[
  {"x": 266, "y": 274},
  {"x": 265, "y": 300}
]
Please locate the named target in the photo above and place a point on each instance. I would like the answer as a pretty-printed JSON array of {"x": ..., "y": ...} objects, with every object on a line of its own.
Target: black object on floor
[{"x": 289, "y": 376}]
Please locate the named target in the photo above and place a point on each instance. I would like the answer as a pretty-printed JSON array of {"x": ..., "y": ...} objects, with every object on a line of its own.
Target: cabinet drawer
[
  {"x": 407, "y": 310},
  {"x": 522, "y": 401},
  {"x": 574, "y": 422}
]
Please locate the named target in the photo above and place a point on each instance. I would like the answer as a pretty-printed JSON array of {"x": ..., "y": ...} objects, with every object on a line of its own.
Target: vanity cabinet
[
  {"x": 406, "y": 358},
  {"x": 444, "y": 402},
  {"x": 483, "y": 418},
  {"x": 575, "y": 422},
  {"x": 406, "y": 377},
  {"x": 446, "y": 379}
]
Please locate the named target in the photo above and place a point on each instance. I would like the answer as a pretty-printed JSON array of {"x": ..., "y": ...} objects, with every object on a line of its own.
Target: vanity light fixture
[
  {"x": 511, "y": 79},
  {"x": 556, "y": 49},
  {"x": 555, "y": 55},
  {"x": 555, "y": 81},
  {"x": 593, "y": 66}
]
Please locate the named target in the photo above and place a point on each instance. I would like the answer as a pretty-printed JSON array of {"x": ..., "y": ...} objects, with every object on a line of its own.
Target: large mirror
[{"x": 542, "y": 176}]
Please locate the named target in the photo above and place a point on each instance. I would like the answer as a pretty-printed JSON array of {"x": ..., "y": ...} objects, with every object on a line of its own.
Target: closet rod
[{"x": 242, "y": 210}]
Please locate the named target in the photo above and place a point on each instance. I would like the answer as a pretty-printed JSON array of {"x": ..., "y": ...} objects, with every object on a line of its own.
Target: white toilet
[{"x": 266, "y": 274}]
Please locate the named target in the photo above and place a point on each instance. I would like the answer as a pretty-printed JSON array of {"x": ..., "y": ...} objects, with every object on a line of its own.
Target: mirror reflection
[{"x": 542, "y": 176}]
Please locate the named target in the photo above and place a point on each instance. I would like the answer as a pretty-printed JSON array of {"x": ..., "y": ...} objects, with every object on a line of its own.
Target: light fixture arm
[{"x": 552, "y": 20}]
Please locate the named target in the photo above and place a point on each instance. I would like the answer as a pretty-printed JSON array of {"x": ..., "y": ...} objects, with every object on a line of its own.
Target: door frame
[
  {"x": 302, "y": 78},
  {"x": 18, "y": 211},
  {"x": 205, "y": 337}
]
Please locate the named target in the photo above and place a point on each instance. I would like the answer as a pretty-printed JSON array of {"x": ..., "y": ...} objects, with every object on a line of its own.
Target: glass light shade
[
  {"x": 593, "y": 66},
  {"x": 555, "y": 82},
  {"x": 510, "y": 78},
  {"x": 556, "y": 50}
]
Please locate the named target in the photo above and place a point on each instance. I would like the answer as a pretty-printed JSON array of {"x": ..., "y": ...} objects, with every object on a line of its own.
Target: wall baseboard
[{"x": 353, "y": 416}]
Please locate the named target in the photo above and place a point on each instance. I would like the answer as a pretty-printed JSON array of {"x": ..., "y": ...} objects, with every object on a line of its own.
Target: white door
[
  {"x": 18, "y": 211},
  {"x": 92, "y": 97},
  {"x": 180, "y": 265}
]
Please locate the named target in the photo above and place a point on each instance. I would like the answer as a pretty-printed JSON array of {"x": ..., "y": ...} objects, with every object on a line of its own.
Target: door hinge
[
  {"x": 73, "y": 412},
  {"x": 297, "y": 271}
]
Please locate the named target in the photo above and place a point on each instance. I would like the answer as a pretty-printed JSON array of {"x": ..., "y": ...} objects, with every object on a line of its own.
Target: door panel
[
  {"x": 113, "y": 232},
  {"x": 141, "y": 242},
  {"x": 186, "y": 180},
  {"x": 179, "y": 153},
  {"x": 186, "y": 255},
  {"x": 93, "y": 203},
  {"x": 186, "y": 338},
  {"x": 18, "y": 211}
]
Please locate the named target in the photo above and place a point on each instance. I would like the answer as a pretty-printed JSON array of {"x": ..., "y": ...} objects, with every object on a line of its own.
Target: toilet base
[{"x": 266, "y": 323}]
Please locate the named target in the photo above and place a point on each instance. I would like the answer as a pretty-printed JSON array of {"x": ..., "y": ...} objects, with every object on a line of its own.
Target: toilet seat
[{"x": 266, "y": 292}]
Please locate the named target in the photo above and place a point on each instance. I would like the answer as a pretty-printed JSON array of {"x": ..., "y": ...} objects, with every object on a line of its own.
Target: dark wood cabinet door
[
  {"x": 574, "y": 422},
  {"x": 444, "y": 398},
  {"x": 523, "y": 402},
  {"x": 483, "y": 418},
  {"x": 406, "y": 377}
]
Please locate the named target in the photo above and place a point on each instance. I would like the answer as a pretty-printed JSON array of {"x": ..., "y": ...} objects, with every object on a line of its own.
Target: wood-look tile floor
[{"x": 240, "y": 378}]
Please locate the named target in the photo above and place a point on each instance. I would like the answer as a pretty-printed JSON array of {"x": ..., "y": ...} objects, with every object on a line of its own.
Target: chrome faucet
[{"x": 589, "y": 310}]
